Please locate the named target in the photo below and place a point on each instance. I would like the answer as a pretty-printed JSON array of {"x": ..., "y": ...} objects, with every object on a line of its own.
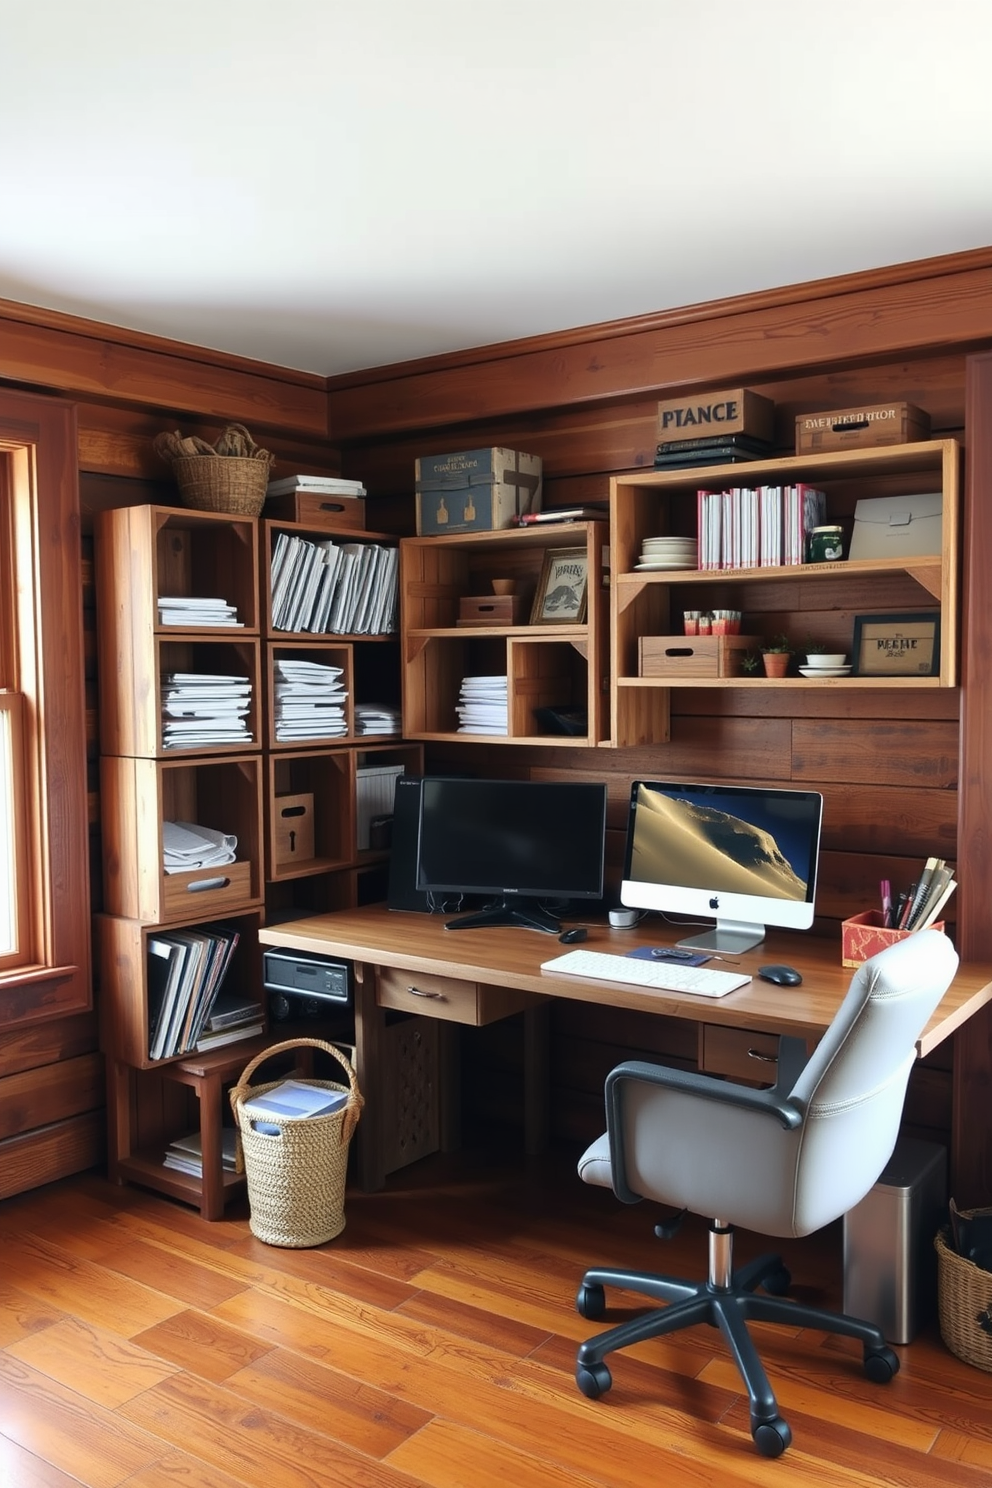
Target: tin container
[{"x": 825, "y": 545}]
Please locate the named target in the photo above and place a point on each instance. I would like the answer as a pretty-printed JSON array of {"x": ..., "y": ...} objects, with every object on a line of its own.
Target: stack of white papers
[
  {"x": 482, "y": 706},
  {"x": 309, "y": 701},
  {"x": 377, "y": 718},
  {"x": 185, "y": 1154},
  {"x": 293, "y": 1099},
  {"x": 184, "y": 610},
  {"x": 329, "y": 588},
  {"x": 186, "y": 845},
  {"x": 328, "y": 485},
  {"x": 199, "y": 709}
]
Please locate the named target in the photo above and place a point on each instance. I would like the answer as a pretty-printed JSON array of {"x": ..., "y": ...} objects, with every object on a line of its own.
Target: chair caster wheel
[
  {"x": 880, "y": 1365},
  {"x": 590, "y": 1301},
  {"x": 593, "y": 1379},
  {"x": 777, "y": 1283},
  {"x": 771, "y": 1437}
]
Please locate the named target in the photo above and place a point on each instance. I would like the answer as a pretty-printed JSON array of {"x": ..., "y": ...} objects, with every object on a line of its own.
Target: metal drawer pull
[
  {"x": 764, "y": 1058},
  {"x": 417, "y": 992}
]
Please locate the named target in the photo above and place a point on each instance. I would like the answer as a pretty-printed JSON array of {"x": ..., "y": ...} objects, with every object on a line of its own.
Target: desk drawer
[
  {"x": 447, "y": 997},
  {"x": 741, "y": 1053}
]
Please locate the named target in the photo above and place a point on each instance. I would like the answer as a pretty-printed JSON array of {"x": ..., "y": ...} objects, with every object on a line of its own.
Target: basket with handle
[
  {"x": 230, "y": 476},
  {"x": 296, "y": 1172},
  {"x": 964, "y": 1304}
]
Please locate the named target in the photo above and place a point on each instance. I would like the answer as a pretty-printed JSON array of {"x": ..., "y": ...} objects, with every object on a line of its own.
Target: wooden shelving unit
[
  {"x": 548, "y": 665},
  {"x": 819, "y": 599}
]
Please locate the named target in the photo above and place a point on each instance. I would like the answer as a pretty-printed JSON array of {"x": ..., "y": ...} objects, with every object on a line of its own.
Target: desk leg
[
  {"x": 537, "y": 1094},
  {"x": 450, "y": 1083},
  {"x": 118, "y": 1117},
  {"x": 369, "y": 1024}
]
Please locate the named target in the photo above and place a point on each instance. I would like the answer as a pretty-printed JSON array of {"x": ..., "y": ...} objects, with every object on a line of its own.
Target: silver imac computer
[{"x": 744, "y": 856}]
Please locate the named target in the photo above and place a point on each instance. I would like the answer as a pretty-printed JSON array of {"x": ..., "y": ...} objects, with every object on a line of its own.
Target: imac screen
[
  {"x": 519, "y": 841},
  {"x": 744, "y": 856}
]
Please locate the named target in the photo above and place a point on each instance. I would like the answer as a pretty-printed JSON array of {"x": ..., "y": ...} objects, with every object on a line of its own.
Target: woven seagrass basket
[
  {"x": 296, "y": 1175},
  {"x": 964, "y": 1305},
  {"x": 230, "y": 476},
  {"x": 222, "y": 483}
]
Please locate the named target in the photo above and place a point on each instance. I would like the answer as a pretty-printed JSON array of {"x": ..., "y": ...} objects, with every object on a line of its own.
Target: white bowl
[{"x": 835, "y": 659}]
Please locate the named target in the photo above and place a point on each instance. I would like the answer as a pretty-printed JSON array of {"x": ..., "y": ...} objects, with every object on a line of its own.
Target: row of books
[
  {"x": 334, "y": 588},
  {"x": 757, "y": 526},
  {"x": 921, "y": 906},
  {"x": 186, "y": 970}
]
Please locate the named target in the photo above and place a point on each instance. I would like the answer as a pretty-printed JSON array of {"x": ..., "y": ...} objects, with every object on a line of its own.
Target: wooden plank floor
[{"x": 432, "y": 1343}]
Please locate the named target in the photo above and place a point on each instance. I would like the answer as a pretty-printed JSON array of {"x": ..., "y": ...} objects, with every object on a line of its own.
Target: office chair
[{"x": 782, "y": 1161}]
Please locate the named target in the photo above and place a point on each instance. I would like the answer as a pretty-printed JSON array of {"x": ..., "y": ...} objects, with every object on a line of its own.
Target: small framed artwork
[
  {"x": 562, "y": 588},
  {"x": 897, "y": 645}
]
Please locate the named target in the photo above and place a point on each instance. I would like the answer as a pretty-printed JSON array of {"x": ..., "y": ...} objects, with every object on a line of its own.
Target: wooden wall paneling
[
  {"x": 37, "y": 1045},
  {"x": 52, "y": 1152},
  {"x": 940, "y": 304},
  {"x": 82, "y": 358},
  {"x": 36, "y": 1097}
]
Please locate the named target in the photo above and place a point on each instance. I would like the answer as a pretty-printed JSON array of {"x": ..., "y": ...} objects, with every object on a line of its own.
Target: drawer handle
[
  {"x": 418, "y": 992},
  {"x": 763, "y": 1058}
]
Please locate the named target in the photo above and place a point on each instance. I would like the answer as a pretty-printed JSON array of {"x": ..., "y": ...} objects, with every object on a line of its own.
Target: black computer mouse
[
  {"x": 782, "y": 976},
  {"x": 569, "y": 937}
]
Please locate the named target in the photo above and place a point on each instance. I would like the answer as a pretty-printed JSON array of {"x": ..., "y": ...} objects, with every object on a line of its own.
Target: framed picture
[
  {"x": 897, "y": 645},
  {"x": 561, "y": 590}
]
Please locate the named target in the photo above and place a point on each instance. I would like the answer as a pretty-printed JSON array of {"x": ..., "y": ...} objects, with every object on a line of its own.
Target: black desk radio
[{"x": 302, "y": 985}]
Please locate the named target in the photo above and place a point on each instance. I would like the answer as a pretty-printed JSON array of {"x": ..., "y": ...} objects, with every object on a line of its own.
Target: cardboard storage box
[
  {"x": 694, "y": 656},
  {"x": 293, "y": 829},
  {"x": 898, "y": 526},
  {"x": 479, "y": 490},
  {"x": 858, "y": 428},
  {"x": 736, "y": 411},
  {"x": 489, "y": 609},
  {"x": 864, "y": 935}
]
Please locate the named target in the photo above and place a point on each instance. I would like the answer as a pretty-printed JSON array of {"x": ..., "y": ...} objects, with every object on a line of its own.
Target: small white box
[{"x": 898, "y": 527}]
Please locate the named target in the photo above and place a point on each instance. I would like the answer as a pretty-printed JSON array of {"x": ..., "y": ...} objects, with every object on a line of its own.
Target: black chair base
[{"x": 728, "y": 1308}]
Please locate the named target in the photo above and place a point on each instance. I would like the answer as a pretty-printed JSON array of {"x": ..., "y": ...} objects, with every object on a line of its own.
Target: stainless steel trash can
[{"x": 890, "y": 1275}]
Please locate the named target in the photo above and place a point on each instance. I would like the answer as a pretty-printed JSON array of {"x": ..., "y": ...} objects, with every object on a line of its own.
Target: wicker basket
[
  {"x": 296, "y": 1176},
  {"x": 964, "y": 1304},
  {"x": 222, "y": 483}
]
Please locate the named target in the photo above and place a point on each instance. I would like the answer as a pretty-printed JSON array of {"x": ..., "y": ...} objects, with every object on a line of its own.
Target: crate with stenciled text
[{"x": 481, "y": 490}]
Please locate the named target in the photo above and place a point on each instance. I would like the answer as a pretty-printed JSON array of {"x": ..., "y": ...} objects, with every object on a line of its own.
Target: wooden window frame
[{"x": 41, "y": 656}]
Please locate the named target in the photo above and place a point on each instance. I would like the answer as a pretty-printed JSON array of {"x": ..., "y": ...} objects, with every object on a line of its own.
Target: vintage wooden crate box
[
  {"x": 694, "y": 656},
  {"x": 855, "y": 428},
  {"x": 708, "y": 415},
  {"x": 478, "y": 490},
  {"x": 293, "y": 837},
  {"x": 864, "y": 935},
  {"x": 489, "y": 609},
  {"x": 317, "y": 509}
]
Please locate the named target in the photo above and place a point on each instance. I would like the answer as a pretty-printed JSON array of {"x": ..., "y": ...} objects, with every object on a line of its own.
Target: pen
[{"x": 886, "y": 890}]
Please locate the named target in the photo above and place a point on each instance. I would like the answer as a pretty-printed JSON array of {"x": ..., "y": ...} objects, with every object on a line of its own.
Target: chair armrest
[
  {"x": 787, "y": 1112},
  {"x": 771, "y": 1102}
]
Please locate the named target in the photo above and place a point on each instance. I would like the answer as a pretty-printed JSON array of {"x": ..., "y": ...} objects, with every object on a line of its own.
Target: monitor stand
[
  {"x": 727, "y": 935},
  {"x": 525, "y": 912}
]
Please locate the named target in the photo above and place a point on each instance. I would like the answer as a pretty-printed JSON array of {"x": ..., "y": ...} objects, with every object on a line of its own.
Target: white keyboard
[{"x": 659, "y": 976}]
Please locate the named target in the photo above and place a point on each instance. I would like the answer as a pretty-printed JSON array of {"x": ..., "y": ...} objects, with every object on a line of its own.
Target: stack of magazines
[
  {"x": 377, "y": 718},
  {"x": 199, "y": 709},
  {"x": 183, "y": 610},
  {"x": 329, "y": 588},
  {"x": 186, "y": 969},
  {"x": 186, "y": 845},
  {"x": 309, "y": 701},
  {"x": 482, "y": 706}
]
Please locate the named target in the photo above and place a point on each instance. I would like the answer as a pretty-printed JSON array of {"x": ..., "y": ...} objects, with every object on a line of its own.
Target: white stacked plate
[
  {"x": 824, "y": 671},
  {"x": 659, "y": 553}
]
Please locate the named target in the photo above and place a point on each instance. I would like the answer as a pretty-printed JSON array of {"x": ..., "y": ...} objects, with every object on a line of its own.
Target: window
[{"x": 44, "y": 899}]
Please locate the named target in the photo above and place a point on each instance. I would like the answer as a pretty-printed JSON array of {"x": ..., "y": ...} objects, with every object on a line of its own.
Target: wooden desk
[{"x": 475, "y": 975}]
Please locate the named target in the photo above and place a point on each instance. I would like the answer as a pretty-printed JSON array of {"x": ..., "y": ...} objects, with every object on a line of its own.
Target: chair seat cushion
[{"x": 595, "y": 1165}]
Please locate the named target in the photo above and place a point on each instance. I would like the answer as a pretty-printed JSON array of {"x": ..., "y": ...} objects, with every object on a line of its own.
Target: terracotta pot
[{"x": 776, "y": 663}]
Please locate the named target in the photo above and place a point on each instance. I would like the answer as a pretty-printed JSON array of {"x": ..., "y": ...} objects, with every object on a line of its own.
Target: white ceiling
[{"x": 334, "y": 184}]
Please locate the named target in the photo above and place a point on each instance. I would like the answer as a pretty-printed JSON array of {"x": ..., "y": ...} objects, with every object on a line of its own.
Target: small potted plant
[
  {"x": 821, "y": 654},
  {"x": 750, "y": 662},
  {"x": 776, "y": 655}
]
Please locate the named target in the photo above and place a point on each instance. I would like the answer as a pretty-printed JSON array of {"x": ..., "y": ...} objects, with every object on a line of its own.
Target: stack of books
[
  {"x": 185, "y": 1154},
  {"x": 717, "y": 449},
  {"x": 757, "y": 526},
  {"x": 483, "y": 706},
  {"x": 321, "y": 485},
  {"x": 183, "y": 610},
  {"x": 309, "y": 701},
  {"x": 186, "y": 969},
  {"x": 329, "y": 588},
  {"x": 920, "y": 908},
  {"x": 199, "y": 709},
  {"x": 377, "y": 718},
  {"x": 232, "y": 1016}
]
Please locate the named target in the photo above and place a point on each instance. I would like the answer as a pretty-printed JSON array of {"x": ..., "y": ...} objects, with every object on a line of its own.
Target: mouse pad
[{"x": 646, "y": 953}]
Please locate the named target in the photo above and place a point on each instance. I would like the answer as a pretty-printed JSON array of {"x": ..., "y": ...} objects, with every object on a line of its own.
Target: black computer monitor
[
  {"x": 744, "y": 856},
  {"x": 523, "y": 843}
]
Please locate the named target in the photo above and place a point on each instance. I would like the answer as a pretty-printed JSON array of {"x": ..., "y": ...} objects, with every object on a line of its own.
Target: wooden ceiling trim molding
[
  {"x": 946, "y": 306},
  {"x": 102, "y": 362}
]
